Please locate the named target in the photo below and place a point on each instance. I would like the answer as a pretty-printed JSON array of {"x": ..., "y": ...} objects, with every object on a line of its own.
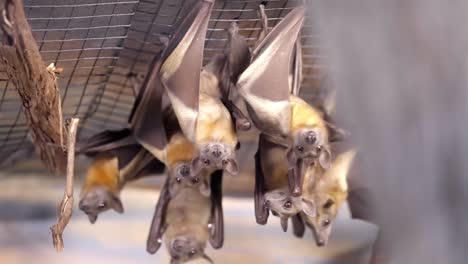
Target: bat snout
[{"x": 216, "y": 153}]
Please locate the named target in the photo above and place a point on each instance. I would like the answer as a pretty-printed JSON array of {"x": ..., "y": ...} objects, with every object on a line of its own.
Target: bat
[
  {"x": 266, "y": 87},
  {"x": 116, "y": 160},
  {"x": 271, "y": 187},
  {"x": 186, "y": 221},
  {"x": 327, "y": 195}
]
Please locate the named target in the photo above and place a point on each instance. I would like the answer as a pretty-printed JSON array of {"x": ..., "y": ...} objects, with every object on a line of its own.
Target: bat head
[
  {"x": 282, "y": 203},
  {"x": 182, "y": 178},
  {"x": 311, "y": 143},
  {"x": 214, "y": 156},
  {"x": 98, "y": 200},
  {"x": 328, "y": 195},
  {"x": 186, "y": 248}
]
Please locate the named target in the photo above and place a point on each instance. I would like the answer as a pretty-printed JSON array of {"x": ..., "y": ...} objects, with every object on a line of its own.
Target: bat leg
[
  {"x": 159, "y": 218},
  {"x": 238, "y": 117},
  {"x": 217, "y": 218},
  {"x": 298, "y": 225},
  {"x": 261, "y": 210},
  {"x": 263, "y": 23},
  {"x": 296, "y": 177}
]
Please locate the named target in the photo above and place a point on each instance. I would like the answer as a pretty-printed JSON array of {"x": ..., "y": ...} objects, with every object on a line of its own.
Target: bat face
[
  {"x": 185, "y": 248},
  {"x": 214, "y": 156},
  {"x": 99, "y": 200},
  {"x": 328, "y": 194},
  {"x": 182, "y": 178},
  {"x": 311, "y": 143},
  {"x": 321, "y": 223},
  {"x": 282, "y": 203}
]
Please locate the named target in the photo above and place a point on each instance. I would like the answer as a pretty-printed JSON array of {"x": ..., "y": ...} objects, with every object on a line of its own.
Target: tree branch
[
  {"x": 66, "y": 206},
  {"x": 36, "y": 84}
]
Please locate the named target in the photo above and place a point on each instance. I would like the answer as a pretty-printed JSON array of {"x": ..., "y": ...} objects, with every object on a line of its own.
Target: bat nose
[
  {"x": 296, "y": 191},
  {"x": 267, "y": 203},
  {"x": 320, "y": 242},
  {"x": 311, "y": 137},
  {"x": 185, "y": 171},
  {"x": 216, "y": 153}
]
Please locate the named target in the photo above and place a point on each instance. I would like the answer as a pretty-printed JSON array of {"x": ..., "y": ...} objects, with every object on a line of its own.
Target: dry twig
[{"x": 66, "y": 206}]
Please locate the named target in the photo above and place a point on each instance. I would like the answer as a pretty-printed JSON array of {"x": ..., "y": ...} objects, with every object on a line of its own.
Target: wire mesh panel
[{"x": 99, "y": 44}]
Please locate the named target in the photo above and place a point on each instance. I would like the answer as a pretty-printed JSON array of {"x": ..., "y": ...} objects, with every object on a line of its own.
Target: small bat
[
  {"x": 109, "y": 172},
  {"x": 186, "y": 222},
  {"x": 266, "y": 87},
  {"x": 271, "y": 190},
  {"x": 327, "y": 194}
]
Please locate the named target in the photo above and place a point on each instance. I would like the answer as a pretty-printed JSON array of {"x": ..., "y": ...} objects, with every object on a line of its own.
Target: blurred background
[{"x": 399, "y": 68}]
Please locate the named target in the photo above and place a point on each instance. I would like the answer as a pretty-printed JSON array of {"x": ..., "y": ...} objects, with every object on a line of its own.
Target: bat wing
[
  {"x": 261, "y": 211},
  {"x": 217, "y": 218},
  {"x": 264, "y": 85},
  {"x": 182, "y": 64},
  {"x": 298, "y": 225},
  {"x": 105, "y": 141},
  {"x": 159, "y": 220},
  {"x": 136, "y": 162},
  {"x": 146, "y": 119}
]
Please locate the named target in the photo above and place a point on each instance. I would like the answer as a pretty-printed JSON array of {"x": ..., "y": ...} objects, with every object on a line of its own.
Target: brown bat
[
  {"x": 271, "y": 187},
  {"x": 186, "y": 221},
  {"x": 117, "y": 159}
]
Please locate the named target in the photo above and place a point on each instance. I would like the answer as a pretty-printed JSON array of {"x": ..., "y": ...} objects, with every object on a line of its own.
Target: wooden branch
[
  {"x": 66, "y": 206},
  {"x": 36, "y": 84}
]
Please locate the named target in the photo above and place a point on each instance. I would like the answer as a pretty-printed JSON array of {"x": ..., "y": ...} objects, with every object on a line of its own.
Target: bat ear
[
  {"x": 325, "y": 158},
  {"x": 308, "y": 207},
  {"x": 92, "y": 218},
  {"x": 205, "y": 189},
  {"x": 284, "y": 223},
  {"x": 231, "y": 167},
  {"x": 195, "y": 166},
  {"x": 116, "y": 204},
  {"x": 336, "y": 175},
  {"x": 173, "y": 188}
]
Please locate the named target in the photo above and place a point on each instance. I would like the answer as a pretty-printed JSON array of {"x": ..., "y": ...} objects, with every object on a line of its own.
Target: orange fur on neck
[{"x": 103, "y": 172}]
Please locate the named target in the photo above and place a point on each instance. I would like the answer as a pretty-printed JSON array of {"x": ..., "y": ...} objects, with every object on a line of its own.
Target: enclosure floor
[{"x": 119, "y": 238}]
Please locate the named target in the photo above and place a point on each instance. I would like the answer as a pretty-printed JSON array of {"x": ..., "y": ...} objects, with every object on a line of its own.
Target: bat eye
[
  {"x": 102, "y": 205},
  {"x": 225, "y": 162},
  {"x": 206, "y": 162},
  {"x": 175, "y": 257},
  {"x": 287, "y": 205},
  {"x": 178, "y": 180},
  {"x": 300, "y": 148},
  {"x": 192, "y": 253},
  {"x": 328, "y": 204},
  {"x": 326, "y": 222},
  {"x": 195, "y": 180}
]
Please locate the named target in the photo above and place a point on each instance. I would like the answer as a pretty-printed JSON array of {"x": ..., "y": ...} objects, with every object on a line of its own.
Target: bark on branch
[{"x": 36, "y": 84}]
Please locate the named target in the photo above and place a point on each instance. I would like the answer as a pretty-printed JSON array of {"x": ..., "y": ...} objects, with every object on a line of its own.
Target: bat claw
[{"x": 243, "y": 125}]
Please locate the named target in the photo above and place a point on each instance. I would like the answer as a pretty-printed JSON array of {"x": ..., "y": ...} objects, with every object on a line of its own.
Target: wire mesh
[{"x": 100, "y": 43}]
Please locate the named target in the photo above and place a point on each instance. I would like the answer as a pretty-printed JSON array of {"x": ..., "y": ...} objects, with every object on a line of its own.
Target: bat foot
[
  {"x": 243, "y": 124},
  {"x": 296, "y": 191}
]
